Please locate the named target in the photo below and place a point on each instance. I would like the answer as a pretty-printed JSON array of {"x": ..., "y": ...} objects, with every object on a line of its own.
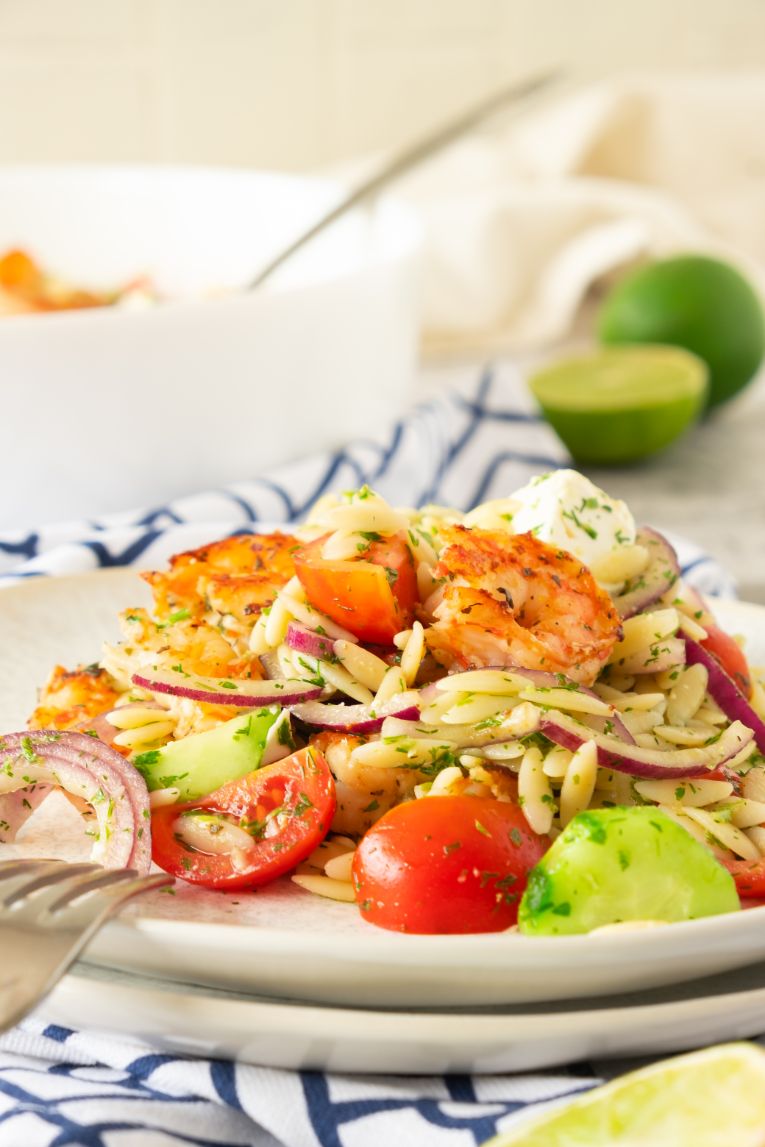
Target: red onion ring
[
  {"x": 662, "y": 573},
  {"x": 305, "y": 640},
  {"x": 356, "y": 718},
  {"x": 221, "y": 691},
  {"x": 725, "y": 691},
  {"x": 653, "y": 764},
  {"x": 86, "y": 768},
  {"x": 17, "y": 807},
  {"x": 544, "y": 680}
]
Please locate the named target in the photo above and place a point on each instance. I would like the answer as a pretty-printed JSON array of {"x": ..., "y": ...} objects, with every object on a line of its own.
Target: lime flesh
[
  {"x": 711, "y": 1098},
  {"x": 621, "y": 404},
  {"x": 694, "y": 302}
]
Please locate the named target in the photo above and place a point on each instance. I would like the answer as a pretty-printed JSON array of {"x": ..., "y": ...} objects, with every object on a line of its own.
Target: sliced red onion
[
  {"x": 543, "y": 680},
  {"x": 16, "y": 809},
  {"x": 84, "y": 767},
  {"x": 651, "y": 763},
  {"x": 601, "y": 725},
  {"x": 662, "y": 573},
  {"x": 308, "y": 641},
  {"x": 725, "y": 691},
  {"x": 357, "y": 718},
  {"x": 691, "y": 597},
  {"x": 221, "y": 691}
]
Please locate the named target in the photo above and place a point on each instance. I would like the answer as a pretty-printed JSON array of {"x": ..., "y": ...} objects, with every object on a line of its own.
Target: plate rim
[{"x": 494, "y": 1017}]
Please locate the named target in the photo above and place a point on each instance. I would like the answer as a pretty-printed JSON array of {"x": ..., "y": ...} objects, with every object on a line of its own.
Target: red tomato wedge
[
  {"x": 749, "y": 876},
  {"x": 730, "y": 655},
  {"x": 286, "y": 808},
  {"x": 446, "y": 864},
  {"x": 373, "y": 596}
]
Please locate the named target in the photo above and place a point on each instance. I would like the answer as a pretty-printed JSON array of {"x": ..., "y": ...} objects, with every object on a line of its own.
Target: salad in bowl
[{"x": 516, "y": 717}]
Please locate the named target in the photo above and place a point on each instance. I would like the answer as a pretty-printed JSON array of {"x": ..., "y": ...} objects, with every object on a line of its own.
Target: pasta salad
[{"x": 520, "y": 715}]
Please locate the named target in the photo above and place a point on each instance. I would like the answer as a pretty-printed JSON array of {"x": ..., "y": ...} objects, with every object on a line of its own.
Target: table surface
[{"x": 709, "y": 486}]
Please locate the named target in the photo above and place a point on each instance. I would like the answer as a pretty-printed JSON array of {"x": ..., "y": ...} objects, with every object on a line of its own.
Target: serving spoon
[{"x": 410, "y": 156}]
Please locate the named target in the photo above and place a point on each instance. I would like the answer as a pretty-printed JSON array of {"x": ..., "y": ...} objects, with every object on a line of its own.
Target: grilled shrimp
[
  {"x": 194, "y": 644},
  {"x": 512, "y": 600},
  {"x": 237, "y": 576},
  {"x": 364, "y": 792},
  {"x": 72, "y": 697}
]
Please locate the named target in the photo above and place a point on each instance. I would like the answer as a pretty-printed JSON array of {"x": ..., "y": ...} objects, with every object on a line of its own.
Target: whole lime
[
  {"x": 701, "y": 304},
  {"x": 620, "y": 404}
]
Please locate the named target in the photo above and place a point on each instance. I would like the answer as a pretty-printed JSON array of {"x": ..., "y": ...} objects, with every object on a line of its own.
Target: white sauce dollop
[{"x": 565, "y": 509}]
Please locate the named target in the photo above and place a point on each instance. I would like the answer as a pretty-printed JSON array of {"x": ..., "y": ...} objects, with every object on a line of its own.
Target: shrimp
[
  {"x": 72, "y": 697},
  {"x": 237, "y": 576},
  {"x": 509, "y": 599},
  {"x": 194, "y": 644},
  {"x": 364, "y": 792}
]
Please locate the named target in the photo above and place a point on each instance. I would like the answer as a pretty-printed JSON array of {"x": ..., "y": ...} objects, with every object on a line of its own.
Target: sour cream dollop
[{"x": 567, "y": 510}]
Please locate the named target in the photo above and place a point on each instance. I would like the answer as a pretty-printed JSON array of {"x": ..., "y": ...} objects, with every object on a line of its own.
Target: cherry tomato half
[
  {"x": 749, "y": 876},
  {"x": 373, "y": 595},
  {"x": 446, "y": 864},
  {"x": 730, "y": 655},
  {"x": 286, "y": 808}
]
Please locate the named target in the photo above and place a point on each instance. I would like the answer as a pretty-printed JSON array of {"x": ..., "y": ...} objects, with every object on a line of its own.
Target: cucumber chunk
[
  {"x": 202, "y": 762},
  {"x": 617, "y": 864}
]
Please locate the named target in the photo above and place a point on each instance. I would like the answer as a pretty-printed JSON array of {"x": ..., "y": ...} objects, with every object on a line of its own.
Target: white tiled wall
[{"x": 302, "y": 83}]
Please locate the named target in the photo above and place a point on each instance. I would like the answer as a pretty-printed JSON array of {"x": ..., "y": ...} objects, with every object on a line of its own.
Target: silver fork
[{"x": 48, "y": 911}]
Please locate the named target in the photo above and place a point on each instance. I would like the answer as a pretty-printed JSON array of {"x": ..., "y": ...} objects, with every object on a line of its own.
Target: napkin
[
  {"x": 482, "y": 440},
  {"x": 521, "y": 221},
  {"x": 61, "y": 1087}
]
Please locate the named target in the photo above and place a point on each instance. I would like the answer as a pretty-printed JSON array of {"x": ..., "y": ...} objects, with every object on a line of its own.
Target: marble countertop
[{"x": 708, "y": 487}]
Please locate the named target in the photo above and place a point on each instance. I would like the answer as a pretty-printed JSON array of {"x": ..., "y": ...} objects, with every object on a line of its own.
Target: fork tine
[
  {"x": 43, "y": 933},
  {"x": 18, "y": 879},
  {"x": 83, "y": 909},
  {"x": 105, "y": 881},
  {"x": 51, "y": 894},
  {"x": 128, "y": 884}
]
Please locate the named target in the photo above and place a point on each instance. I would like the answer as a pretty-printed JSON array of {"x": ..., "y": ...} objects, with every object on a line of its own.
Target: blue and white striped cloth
[
  {"x": 60, "y": 1088},
  {"x": 458, "y": 450}
]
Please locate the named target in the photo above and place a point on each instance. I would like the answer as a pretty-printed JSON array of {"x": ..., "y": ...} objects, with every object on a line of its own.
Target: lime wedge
[
  {"x": 711, "y": 1098},
  {"x": 621, "y": 404}
]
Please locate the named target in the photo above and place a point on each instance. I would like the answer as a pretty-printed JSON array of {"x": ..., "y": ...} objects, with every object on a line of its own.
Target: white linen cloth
[{"x": 520, "y": 222}]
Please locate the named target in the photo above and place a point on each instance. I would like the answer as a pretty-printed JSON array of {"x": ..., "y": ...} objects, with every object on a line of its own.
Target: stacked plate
[
  {"x": 285, "y": 979},
  {"x": 291, "y": 1034}
]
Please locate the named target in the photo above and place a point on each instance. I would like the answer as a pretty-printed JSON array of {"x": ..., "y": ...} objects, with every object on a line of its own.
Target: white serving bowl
[{"x": 112, "y": 408}]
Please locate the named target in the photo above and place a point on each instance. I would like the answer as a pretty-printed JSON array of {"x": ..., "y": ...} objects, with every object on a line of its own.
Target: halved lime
[
  {"x": 711, "y": 1098},
  {"x": 621, "y": 404}
]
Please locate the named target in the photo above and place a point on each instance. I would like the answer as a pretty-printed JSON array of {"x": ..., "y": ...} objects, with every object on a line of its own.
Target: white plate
[
  {"x": 288, "y": 1034},
  {"x": 283, "y": 941}
]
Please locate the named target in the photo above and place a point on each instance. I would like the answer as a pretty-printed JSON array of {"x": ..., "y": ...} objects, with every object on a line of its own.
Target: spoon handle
[{"x": 408, "y": 158}]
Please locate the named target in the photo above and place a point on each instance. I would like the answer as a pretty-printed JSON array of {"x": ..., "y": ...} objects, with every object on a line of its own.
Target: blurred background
[{"x": 302, "y": 84}]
